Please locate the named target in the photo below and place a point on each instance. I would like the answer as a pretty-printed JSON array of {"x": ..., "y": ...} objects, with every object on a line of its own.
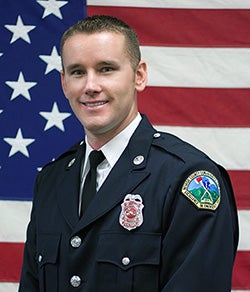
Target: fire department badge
[
  {"x": 202, "y": 188},
  {"x": 131, "y": 214}
]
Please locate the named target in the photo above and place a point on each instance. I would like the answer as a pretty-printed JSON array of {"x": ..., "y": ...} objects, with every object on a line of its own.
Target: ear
[
  {"x": 141, "y": 76},
  {"x": 63, "y": 83}
]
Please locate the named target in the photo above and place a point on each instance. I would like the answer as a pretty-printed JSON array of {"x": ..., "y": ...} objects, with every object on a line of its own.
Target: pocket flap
[
  {"x": 47, "y": 248},
  {"x": 128, "y": 250}
]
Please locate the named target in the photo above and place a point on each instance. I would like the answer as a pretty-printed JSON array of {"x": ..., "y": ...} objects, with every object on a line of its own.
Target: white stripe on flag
[
  {"x": 244, "y": 236},
  {"x": 174, "y": 3},
  {"x": 198, "y": 67},
  {"x": 227, "y": 146},
  {"x": 8, "y": 287},
  {"x": 20, "y": 212},
  {"x": 14, "y": 218}
]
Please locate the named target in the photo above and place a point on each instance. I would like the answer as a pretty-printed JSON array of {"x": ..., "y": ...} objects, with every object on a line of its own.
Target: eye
[
  {"x": 77, "y": 72},
  {"x": 106, "y": 69}
]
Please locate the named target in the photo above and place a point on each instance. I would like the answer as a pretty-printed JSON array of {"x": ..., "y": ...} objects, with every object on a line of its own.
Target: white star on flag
[
  {"x": 1, "y": 111},
  {"x": 54, "y": 118},
  {"x": 19, "y": 144},
  {"x": 20, "y": 30},
  {"x": 1, "y": 54},
  {"x": 20, "y": 87},
  {"x": 52, "y": 7},
  {"x": 53, "y": 61}
]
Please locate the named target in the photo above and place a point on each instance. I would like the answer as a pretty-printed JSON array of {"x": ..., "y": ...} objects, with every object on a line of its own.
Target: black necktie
[{"x": 89, "y": 188}]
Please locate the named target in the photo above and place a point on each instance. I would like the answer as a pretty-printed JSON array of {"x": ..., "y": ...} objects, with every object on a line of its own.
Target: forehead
[{"x": 101, "y": 42}]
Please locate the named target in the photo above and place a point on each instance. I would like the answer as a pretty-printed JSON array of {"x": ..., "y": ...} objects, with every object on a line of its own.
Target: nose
[{"x": 92, "y": 85}]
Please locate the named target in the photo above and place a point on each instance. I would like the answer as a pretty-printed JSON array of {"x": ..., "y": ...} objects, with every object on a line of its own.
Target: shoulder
[
  {"x": 166, "y": 143},
  {"x": 192, "y": 161},
  {"x": 65, "y": 158},
  {"x": 178, "y": 147}
]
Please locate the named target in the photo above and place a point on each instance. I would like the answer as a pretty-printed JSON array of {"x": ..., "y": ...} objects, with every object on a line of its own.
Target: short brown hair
[{"x": 102, "y": 23}]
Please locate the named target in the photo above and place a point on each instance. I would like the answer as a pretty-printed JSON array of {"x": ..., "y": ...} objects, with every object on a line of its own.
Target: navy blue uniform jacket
[{"x": 178, "y": 247}]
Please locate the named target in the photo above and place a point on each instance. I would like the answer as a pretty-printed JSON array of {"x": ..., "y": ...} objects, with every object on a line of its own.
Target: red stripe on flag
[
  {"x": 189, "y": 106},
  {"x": 241, "y": 279},
  {"x": 184, "y": 27},
  {"x": 11, "y": 255},
  {"x": 241, "y": 185}
]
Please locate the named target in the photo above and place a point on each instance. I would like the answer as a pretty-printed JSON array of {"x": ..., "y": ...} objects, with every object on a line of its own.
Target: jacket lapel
[
  {"x": 121, "y": 180},
  {"x": 124, "y": 177},
  {"x": 68, "y": 188}
]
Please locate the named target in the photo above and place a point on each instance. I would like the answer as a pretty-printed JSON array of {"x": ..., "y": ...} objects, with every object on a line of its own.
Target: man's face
[{"x": 100, "y": 83}]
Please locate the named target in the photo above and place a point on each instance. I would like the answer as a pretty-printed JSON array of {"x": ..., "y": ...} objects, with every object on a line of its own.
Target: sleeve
[
  {"x": 200, "y": 241},
  {"x": 29, "y": 275}
]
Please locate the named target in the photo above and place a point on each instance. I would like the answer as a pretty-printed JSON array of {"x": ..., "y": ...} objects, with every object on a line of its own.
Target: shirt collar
[{"x": 114, "y": 148}]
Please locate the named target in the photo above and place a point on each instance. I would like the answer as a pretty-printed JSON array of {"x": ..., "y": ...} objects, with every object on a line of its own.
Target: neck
[{"x": 97, "y": 140}]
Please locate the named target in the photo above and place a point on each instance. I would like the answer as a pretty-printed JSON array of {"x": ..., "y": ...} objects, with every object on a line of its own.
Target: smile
[{"x": 93, "y": 104}]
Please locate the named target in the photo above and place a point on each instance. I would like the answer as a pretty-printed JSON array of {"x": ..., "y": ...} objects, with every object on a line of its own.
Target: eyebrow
[
  {"x": 73, "y": 66},
  {"x": 109, "y": 63},
  {"x": 101, "y": 63}
]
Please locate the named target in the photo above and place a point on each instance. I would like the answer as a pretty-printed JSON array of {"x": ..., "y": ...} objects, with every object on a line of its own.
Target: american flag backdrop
[{"x": 198, "y": 55}]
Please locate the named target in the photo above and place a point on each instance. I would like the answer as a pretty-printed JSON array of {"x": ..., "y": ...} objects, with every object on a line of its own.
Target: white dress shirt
[{"x": 112, "y": 151}]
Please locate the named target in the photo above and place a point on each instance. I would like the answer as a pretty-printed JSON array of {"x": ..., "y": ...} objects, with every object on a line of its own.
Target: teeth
[{"x": 92, "y": 104}]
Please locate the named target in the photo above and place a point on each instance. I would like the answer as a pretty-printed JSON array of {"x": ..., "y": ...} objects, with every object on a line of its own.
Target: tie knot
[{"x": 95, "y": 158}]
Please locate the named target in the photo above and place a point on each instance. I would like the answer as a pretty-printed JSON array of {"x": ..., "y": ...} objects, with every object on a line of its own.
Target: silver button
[
  {"x": 75, "y": 281},
  {"x": 75, "y": 241},
  {"x": 40, "y": 258},
  {"x": 138, "y": 159},
  {"x": 157, "y": 135},
  {"x": 125, "y": 261}
]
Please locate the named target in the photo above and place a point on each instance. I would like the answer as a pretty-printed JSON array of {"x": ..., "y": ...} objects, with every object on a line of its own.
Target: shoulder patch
[{"x": 202, "y": 188}]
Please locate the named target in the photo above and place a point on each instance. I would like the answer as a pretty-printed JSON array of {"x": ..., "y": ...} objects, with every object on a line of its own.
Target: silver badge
[{"x": 131, "y": 214}]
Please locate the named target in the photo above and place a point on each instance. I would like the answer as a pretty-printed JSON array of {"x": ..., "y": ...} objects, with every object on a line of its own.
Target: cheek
[
  {"x": 72, "y": 90},
  {"x": 123, "y": 88}
]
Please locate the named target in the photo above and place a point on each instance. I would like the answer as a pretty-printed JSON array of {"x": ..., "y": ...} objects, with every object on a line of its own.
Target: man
[{"x": 163, "y": 217}]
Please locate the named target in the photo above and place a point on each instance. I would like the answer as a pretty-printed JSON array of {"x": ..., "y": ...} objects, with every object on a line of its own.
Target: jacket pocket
[
  {"x": 128, "y": 262},
  {"x": 47, "y": 257}
]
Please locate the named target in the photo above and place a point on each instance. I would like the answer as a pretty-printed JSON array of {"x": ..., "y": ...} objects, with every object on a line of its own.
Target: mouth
[{"x": 94, "y": 104}]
